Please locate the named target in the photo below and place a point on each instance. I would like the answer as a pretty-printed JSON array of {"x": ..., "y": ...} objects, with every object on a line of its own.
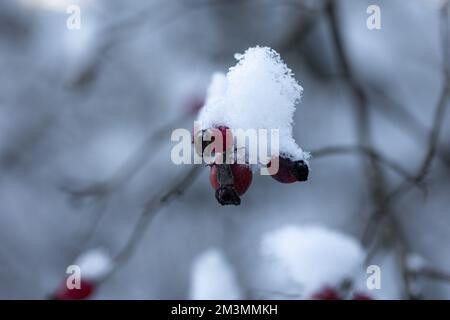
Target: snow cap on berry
[
  {"x": 312, "y": 257},
  {"x": 94, "y": 264},
  {"x": 259, "y": 92},
  {"x": 213, "y": 278}
]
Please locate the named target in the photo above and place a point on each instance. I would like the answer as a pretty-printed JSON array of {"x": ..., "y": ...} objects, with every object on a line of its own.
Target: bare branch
[
  {"x": 151, "y": 208},
  {"x": 371, "y": 153},
  {"x": 433, "y": 274},
  {"x": 433, "y": 139}
]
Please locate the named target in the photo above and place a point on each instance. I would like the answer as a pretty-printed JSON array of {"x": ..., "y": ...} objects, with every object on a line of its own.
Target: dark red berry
[
  {"x": 290, "y": 171},
  {"x": 361, "y": 296},
  {"x": 242, "y": 176},
  {"x": 326, "y": 294},
  {"x": 64, "y": 293}
]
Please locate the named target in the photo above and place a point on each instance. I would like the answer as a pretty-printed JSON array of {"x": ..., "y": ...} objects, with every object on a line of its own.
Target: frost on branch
[
  {"x": 212, "y": 277},
  {"x": 309, "y": 259}
]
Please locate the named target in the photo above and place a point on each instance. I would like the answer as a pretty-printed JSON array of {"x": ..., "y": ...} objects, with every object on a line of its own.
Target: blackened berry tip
[{"x": 227, "y": 195}]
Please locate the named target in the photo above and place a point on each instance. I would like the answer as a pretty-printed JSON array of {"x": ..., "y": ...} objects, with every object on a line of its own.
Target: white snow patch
[
  {"x": 259, "y": 92},
  {"x": 312, "y": 257},
  {"x": 415, "y": 262},
  {"x": 212, "y": 278},
  {"x": 94, "y": 264}
]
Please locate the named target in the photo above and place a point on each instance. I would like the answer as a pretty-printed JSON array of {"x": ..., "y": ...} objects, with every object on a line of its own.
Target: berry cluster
[{"x": 231, "y": 180}]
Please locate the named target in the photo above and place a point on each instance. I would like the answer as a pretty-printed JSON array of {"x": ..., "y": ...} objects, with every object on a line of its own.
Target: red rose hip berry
[
  {"x": 86, "y": 289},
  {"x": 326, "y": 294},
  {"x": 290, "y": 171},
  {"x": 242, "y": 177}
]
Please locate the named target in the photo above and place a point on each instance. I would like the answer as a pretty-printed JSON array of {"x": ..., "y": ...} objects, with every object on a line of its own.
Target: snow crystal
[
  {"x": 93, "y": 264},
  {"x": 312, "y": 257},
  {"x": 213, "y": 278},
  {"x": 260, "y": 92}
]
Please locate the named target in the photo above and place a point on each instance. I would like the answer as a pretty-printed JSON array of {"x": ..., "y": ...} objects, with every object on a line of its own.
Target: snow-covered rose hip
[
  {"x": 290, "y": 171},
  {"x": 257, "y": 95}
]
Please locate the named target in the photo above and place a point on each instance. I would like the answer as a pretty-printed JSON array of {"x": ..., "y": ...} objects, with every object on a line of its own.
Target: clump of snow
[
  {"x": 312, "y": 257},
  {"x": 415, "y": 262},
  {"x": 259, "y": 92},
  {"x": 94, "y": 264},
  {"x": 213, "y": 278}
]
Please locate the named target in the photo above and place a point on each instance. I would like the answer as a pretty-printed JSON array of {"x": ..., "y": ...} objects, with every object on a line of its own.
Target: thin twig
[
  {"x": 368, "y": 152},
  {"x": 128, "y": 169},
  {"x": 375, "y": 178},
  {"x": 100, "y": 192},
  {"x": 151, "y": 208},
  {"x": 433, "y": 274},
  {"x": 433, "y": 139},
  {"x": 398, "y": 114}
]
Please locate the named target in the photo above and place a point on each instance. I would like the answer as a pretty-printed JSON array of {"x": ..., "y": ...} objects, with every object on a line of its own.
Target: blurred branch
[
  {"x": 24, "y": 144},
  {"x": 433, "y": 138},
  {"x": 371, "y": 153},
  {"x": 127, "y": 170},
  {"x": 301, "y": 30},
  {"x": 432, "y": 273},
  {"x": 374, "y": 175},
  {"x": 376, "y": 180},
  {"x": 398, "y": 114},
  {"x": 115, "y": 31},
  {"x": 101, "y": 191},
  {"x": 151, "y": 208}
]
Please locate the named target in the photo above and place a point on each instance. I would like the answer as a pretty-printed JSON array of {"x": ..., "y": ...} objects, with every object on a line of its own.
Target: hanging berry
[
  {"x": 290, "y": 171},
  {"x": 230, "y": 182}
]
